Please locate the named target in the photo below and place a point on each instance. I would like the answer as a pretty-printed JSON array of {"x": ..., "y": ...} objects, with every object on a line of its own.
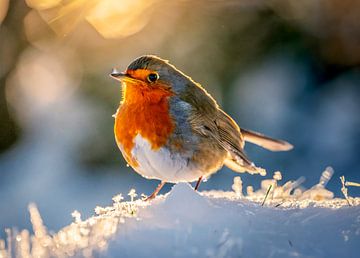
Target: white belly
[{"x": 161, "y": 164}]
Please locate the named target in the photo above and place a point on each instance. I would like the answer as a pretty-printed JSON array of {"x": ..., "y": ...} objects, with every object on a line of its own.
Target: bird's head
[{"x": 151, "y": 74}]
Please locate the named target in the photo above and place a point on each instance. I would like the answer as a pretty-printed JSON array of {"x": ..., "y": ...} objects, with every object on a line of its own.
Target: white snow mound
[{"x": 185, "y": 223}]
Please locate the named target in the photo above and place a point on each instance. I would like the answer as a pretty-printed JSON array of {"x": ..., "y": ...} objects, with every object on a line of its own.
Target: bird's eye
[{"x": 153, "y": 77}]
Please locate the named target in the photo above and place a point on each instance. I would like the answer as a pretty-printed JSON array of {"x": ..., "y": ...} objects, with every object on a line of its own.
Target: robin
[{"x": 169, "y": 128}]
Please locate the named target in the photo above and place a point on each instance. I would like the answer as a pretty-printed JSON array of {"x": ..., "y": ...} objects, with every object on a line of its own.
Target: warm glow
[
  {"x": 4, "y": 5},
  {"x": 42, "y": 4},
  {"x": 113, "y": 19},
  {"x": 40, "y": 79},
  {"x": 110, "y": 18}
]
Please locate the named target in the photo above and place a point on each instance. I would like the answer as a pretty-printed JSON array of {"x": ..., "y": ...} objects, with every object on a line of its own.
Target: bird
[{"x": 169, "y": 128}]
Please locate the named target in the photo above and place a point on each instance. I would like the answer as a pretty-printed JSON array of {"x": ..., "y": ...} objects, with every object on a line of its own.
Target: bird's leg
[
  {"x": 198, "y": 183},
  {"x": 157, "y": 190}
]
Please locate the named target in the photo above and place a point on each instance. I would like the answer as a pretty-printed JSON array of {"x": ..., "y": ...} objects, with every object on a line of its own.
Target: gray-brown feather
[{"x": 208, "y": 121}]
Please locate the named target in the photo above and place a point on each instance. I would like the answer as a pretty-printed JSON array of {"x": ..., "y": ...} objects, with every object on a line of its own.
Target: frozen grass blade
[
  {"x": 352, "y": 184},
  {"x": 267, "y": 193},
  {"x": 344, "y": 190}
]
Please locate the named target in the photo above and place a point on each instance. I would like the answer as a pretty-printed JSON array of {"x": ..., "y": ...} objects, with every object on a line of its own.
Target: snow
[{"x": 274, "y": 221}]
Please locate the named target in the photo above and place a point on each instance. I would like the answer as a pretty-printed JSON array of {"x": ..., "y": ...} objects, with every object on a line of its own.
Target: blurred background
[{"x": 286, "y": 68}]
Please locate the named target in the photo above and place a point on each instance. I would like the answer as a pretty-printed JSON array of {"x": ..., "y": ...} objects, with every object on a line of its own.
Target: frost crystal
[
  {"x": 237, "y": 186},
  {"x": 77, "y": 216},
  {"x": 99, "y": 210},
  {"x": 249, "y": 190},
  {"x": 118, "y": 198},
  {"x": 132, "y": 194},
  {"x": 326, "y": 176},
  {"x": 277, "y": 176}
]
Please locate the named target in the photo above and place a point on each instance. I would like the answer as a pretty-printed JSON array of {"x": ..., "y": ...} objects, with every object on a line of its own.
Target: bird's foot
[
  {"x": 154, "y": 194},
  {"x": 198, "y": 183}
]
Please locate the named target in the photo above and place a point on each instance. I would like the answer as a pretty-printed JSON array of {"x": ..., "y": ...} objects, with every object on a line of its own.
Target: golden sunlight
[
  {"x": 42, "y": 4},
  {"x": 114, "y": 20},
  {"x": 4, "y": 5},
  {"x": 110, "y": 18}
]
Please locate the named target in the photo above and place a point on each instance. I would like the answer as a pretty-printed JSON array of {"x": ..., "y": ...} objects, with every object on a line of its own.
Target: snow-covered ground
[{"x": 277, "y": 221}]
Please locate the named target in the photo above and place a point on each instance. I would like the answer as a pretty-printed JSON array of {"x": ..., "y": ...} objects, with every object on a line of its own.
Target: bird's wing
[
  {"x": 207, "y": 120},
  {"x": 222, "y": 129},
  {"x": 230, "y": 137},
  {"x": 233, "y": 141}
]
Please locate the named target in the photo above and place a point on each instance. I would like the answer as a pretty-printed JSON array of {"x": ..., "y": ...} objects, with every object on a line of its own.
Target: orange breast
[{"x": 144, "y": 111}]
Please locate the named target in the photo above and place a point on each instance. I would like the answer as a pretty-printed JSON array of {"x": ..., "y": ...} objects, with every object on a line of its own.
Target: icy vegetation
[{"x": 278, "y": 220}]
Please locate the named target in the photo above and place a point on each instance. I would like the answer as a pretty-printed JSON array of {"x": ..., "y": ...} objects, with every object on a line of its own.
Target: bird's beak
[
  {"x": 120, "y": 76},
  {"x": 117, "y": 75}
]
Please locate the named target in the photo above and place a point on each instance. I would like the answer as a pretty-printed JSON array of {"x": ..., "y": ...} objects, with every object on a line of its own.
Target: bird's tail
[{"x": 265, "y": 141}]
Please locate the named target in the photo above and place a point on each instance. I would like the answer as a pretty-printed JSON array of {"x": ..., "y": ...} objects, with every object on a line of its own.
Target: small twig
[
  {"x": 278, "y": 205},
  {"x": 267, "y": 193},
  {"x": 352, "y": 184},
  {"x": 344, "y": 190}
]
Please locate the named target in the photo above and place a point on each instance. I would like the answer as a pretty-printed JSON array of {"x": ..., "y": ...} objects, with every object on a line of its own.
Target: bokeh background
[{"x": 287, "y": 68}]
